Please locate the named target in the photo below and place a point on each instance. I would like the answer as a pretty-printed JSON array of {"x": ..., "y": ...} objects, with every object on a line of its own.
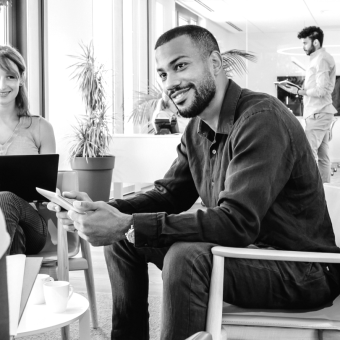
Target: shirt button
[{"x": 214, "y": 152}]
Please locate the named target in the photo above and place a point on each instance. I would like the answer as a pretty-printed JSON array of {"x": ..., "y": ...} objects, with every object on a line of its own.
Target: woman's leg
[{"x": 27, "y": 229}]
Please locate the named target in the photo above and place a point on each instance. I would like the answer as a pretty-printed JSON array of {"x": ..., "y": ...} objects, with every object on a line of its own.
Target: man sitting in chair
[{"x": 248, "y": 159}]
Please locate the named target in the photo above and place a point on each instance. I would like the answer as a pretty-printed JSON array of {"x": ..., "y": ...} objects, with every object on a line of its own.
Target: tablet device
[{"x": 66, "y": 203}]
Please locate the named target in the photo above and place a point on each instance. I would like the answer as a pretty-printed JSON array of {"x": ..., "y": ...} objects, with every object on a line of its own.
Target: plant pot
[{"x": 94, "y": 175}]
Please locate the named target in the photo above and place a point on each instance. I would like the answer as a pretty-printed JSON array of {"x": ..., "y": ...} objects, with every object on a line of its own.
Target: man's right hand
[{"x": 62, "y": 214}]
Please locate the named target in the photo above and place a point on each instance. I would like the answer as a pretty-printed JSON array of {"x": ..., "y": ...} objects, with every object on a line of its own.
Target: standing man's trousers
[
  {"x": 186, "y": 270},
  {"x": 318, "y": 132}
]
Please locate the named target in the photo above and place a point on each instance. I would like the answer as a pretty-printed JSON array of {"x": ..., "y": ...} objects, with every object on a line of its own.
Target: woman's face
[{"x": 9, "y": 85}]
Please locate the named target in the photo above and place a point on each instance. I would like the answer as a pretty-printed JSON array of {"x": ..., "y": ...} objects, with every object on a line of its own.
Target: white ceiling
[{"x": 269, "y": 16}]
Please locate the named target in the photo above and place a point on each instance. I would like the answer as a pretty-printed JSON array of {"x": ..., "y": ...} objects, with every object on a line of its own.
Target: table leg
[
  {"x": 65, "y": 333},
  {"x": 84, "y": 326}
]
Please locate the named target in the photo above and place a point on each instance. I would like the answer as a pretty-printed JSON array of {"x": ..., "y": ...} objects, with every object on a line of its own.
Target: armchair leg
[
  {"x": 215, "y": 305},
  {"x": 85, "y": 248}
]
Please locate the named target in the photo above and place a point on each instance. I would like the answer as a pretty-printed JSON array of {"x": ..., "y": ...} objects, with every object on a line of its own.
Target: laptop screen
[{"x": 21, "y": 174}]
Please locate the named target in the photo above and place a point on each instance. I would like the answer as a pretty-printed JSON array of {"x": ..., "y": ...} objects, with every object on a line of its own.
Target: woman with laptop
[{"x": 21, "y": 134}]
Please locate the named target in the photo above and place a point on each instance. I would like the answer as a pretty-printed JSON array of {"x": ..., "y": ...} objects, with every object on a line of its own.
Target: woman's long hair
[{"x": 7, "y": 54}]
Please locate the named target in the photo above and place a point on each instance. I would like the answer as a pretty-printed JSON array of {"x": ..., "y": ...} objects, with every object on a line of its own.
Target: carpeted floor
[{"x": 103, "y": 332}]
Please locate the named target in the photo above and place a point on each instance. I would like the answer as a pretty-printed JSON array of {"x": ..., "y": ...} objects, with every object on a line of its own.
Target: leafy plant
[
  {"x": 233, "y": 61},
  {"x": 92, "y": 135},
  {"x": 145, "y": 106}
]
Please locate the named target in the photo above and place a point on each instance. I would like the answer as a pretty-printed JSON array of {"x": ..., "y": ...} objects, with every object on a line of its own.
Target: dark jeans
[{"x": 186, "y": 278}]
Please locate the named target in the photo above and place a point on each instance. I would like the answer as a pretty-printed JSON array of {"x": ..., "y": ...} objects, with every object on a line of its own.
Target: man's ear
[
  {"x": 216, "y": 62},
  {"x": 316, "y": 43}
]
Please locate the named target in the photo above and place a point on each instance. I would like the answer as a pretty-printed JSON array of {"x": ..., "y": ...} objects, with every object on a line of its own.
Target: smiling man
[{"x": 246, "y": 156}]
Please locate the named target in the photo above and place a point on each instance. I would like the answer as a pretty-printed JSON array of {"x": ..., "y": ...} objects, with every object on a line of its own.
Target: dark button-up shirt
[{"x": 256, "y": 175}]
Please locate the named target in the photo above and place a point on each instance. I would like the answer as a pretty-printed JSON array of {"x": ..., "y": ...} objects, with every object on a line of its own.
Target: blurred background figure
[{"x": 317, "y": 97}]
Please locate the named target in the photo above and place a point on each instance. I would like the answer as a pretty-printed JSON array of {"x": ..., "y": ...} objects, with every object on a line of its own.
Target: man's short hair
[
  {"x": 313, "y": 33},
  {"x": 200, "y": 36}
]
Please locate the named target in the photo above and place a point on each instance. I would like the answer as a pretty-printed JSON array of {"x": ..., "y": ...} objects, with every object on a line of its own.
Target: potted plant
[
  {"x": 146, "y": 103},
  {"x": 91, "y": 138}
]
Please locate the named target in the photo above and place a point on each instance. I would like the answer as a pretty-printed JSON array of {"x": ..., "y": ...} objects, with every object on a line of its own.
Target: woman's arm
[{"x": 48, "y": 144}]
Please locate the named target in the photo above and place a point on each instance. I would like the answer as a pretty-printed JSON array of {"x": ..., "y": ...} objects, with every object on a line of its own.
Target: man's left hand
[
  {"x": 102, "y": 224},
  {"x": 291, "y": 89}
]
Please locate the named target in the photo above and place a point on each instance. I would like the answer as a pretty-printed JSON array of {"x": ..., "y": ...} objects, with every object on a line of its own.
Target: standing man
[
  {"x": 246, "y": 156},
  {"x": 317, "y": 97}
]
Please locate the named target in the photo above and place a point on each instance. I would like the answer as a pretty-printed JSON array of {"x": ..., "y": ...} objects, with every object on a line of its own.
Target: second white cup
[
  {"x": 37, "y": 293},
  {"x": 57, "y": 294}
]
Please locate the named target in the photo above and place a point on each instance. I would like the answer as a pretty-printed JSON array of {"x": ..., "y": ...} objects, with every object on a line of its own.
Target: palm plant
[
  {"x": 233, "y": 61},
  {"x": 91, "y": 136}
]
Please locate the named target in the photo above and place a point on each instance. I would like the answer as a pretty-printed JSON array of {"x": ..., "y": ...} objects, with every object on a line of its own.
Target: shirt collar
[
  {"x": 317, "y": 52},
  {"x": 227, "y": 113}
]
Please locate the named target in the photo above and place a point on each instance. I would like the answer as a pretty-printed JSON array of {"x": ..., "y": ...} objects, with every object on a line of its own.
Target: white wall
[{"x": 67, "y": 24}]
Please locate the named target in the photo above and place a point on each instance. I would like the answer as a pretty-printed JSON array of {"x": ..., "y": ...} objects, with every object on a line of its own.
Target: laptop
[{"x": 21, "y": 174}]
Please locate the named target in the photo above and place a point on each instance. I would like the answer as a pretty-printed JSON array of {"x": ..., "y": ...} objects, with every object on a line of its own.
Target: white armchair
[{"x": 225, "y": 321}]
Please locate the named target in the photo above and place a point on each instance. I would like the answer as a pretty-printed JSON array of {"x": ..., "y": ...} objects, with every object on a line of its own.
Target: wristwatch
[{"x": 130, "y": 235}]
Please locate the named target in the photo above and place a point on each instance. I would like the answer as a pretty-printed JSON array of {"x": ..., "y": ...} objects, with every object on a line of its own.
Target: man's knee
[{"x": 186, "y": 258}]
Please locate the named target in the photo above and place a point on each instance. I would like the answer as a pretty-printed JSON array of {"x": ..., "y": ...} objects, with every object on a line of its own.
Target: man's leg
[
  {"x": 324, "y": 162},
  {"x": 317, "y": 127},
  {"x": 247, "y": 283},
  {"x": 128, "y": 272}
]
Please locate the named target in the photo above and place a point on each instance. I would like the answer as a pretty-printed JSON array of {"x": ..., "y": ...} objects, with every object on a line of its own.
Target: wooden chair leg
[
  {"x": 65, "y": 333},
  {"x": 215, "y": 305},
  {"x": 63, "y": 265},
  {"x": 89, "y": 279}
]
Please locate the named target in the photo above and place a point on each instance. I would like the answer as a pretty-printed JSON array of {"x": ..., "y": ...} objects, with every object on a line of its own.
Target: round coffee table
[{"x": 38, "y": 319}]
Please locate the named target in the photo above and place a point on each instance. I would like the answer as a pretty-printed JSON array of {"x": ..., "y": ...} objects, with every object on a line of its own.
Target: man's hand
[
  {"x": 291, "y": 89},
  {"x": 101, "y": 224},
  {"x": 62, "y": 214}
]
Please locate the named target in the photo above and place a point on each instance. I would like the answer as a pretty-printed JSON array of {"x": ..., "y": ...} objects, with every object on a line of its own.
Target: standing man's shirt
[{"x": 319, "y": 84}]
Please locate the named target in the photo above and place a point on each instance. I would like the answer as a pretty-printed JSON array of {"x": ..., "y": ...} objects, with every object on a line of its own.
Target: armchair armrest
[
  {"x": 276, "y": 255},
  {"x": 200, "y": 336}
]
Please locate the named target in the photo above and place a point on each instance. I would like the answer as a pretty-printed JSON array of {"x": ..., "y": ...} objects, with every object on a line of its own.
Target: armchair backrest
[
  {"x": 333, "y": 204},
  {"x": 67, "y": 181}
]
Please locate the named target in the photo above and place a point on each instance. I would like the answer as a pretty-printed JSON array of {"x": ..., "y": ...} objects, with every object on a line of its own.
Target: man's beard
[
  {"x": 203, "y": 95},
  {"x": 310, "y": 50}
]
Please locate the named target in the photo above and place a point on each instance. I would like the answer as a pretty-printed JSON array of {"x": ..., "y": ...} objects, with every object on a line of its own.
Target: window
[
  {"x": 4, "y": 27},
  {"x": 185, "y": 17}
]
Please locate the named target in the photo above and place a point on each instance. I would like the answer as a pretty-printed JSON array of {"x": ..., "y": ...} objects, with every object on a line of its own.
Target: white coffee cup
[
  {"x": 37, "y": 294},
  {"x": 57, "y": 294}
]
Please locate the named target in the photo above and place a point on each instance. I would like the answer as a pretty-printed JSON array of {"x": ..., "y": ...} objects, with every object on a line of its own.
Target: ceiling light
[{"x": 296, "y": 50}]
